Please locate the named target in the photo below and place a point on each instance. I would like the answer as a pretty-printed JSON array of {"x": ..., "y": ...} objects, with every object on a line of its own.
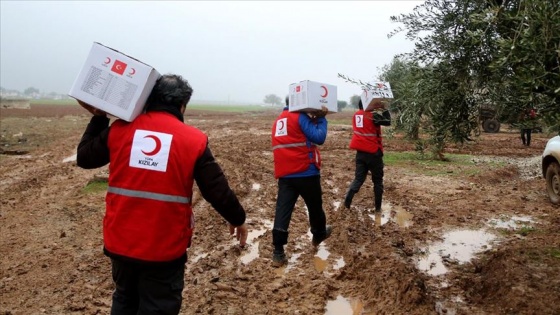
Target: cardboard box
[
  {"x": 374, "y": 93},
  {"x": 114, "y": 82},
  {"x": 309, "y": 96}
]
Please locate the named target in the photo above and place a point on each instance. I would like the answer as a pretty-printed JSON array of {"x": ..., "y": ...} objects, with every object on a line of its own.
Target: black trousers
[
  {"x": 526, "y": 136},
  {"x": 372, "y": 162},
  {"x": 147, "y": 289},
  {"x": 289, "y": 189}
]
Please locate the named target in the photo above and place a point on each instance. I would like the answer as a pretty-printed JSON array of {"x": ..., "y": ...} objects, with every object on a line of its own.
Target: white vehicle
[{"x": 551, "y": 169}]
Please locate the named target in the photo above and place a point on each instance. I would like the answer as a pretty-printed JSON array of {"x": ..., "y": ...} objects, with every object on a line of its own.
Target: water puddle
[
  {"x": 197, "y": 258},
  {"x": 392, "y": 213},
  {"x": 320, "y": 258},
  {"x": 344, "y": 306},
  {"x": 253, "y": 246},
  {"x": 457, "y": 246},
  {"x": 291, "y": 262},
  {"x": 511, "y": 223},
  {"x": 336, "y": 204},
  {"x": 339, "y": 263},
  {"x": 71, "y": 158}
]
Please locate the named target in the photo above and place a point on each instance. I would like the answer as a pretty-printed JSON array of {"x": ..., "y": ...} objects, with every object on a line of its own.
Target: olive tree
[{"x": 470, "y": 52}]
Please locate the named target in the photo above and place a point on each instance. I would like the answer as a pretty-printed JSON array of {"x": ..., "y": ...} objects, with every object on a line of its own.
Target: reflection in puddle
[
  {"x": 253, "y": 247},
  {"x": 339, "y": 263},
  {"x": 252, "y": 254},
  {"x": 336, "y": 204},
  {"x": 510, "y": 223},
  {"x": 345, "y": 306},
  {"x": 441, "y": 308},
  {"x": 256, "y": 186},
  {"x": 392, "y": 213},
  {"x": 457, "y": 246},
  {"x": 291, "y": 262},
  {"x": 197, "y": 258},
  {"x": 71, "y": 158},
  {"x": 320, "y": 258}
]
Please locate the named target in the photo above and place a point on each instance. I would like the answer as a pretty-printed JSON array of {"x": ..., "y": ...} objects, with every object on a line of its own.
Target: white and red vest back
[
  {"x": 151, "y": 173},
  {"x": 290, "y": 150},
  {"x": 367, "y": 135}
]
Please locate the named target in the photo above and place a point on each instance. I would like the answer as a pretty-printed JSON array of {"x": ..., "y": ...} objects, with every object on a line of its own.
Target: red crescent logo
[
  {"x": 281, "y": 122},
  {"x": 107, "y": 60},
  {"x": 359, "y": 119},
  {"x": 132, "y": 71},
  {"x": 326, "y": 91},
  {"x": 157, "y": 148}
]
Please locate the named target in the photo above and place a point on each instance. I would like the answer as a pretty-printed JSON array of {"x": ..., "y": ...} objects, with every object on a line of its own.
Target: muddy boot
[
  {"x": 279, "y": 239},
  {"x": 377, "y": 204},
  {"x": 378, "y": 198},
  {"x": 378, "y": 201},
  {"x": 279, "y": 257},
  {"x": 348, "y": 199},
  {"x": 319, "y": 239}
]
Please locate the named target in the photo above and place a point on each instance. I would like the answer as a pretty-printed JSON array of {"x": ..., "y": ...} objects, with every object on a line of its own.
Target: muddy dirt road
[{"x": 475, "y": 235}]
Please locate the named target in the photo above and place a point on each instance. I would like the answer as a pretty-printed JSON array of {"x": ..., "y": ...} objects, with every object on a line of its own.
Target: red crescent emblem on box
[{"x": 326, "y": 91}]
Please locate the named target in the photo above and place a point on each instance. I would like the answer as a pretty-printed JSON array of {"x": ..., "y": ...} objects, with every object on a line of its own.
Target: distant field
[
  {"x": 229, "y": 108},
  {"x": 52, "y": 102},
  {"x": 194, "y": 106}
]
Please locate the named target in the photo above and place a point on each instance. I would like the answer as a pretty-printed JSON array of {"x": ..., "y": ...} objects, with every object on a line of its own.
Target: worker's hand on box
[
  {"x": 380, "y": 105},
  {"x": 322, "y": 112},
  {"x": 240, "y": 232},
  {"x": 91, "y": 109}
]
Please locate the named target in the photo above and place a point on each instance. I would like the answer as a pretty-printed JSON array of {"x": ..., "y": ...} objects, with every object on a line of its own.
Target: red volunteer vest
[
  {"x": 148, "y": 204},
  {"x": 289, "y": 146},
  {"x": 367, "y": 135}
]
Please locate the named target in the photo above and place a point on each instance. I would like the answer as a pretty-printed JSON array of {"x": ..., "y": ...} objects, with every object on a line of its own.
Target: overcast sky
[{"x": 236, "y": 51}]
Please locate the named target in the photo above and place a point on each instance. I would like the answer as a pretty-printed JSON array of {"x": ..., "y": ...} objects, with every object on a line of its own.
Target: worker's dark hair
[
  {"x": 287, "y": 100},
  {"x": 360, "y": 105},
  {"x": 170, "y": 90}
]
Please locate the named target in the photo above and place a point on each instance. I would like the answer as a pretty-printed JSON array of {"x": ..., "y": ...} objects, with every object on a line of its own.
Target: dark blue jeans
[
  {"x": 147, "y": 289},
  {"x": 372, "y": 162},
  {"x": 289, "y": 189}
]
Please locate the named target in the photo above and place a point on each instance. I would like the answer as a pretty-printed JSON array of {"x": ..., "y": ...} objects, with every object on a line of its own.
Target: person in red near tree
[
  {"x": 148, "y": 225},
  {"x": 367, "y": 141}
]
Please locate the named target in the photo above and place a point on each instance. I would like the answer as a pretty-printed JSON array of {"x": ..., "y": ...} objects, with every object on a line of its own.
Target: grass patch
[
  {"x": 95, "y": 187},
  {"x": 457, "y": 164},
  {"x": 347, "y": 122},
  {"x": 526, "y": 230},
  {"x": 555, "y": 252},
  {"x": 428, "y": 166}
]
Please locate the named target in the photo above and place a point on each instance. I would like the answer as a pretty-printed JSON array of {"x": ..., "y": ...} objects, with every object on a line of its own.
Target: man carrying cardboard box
[
  {"x": 297, "y": 164},
  {"x": 148, "y": 224},
  {"x": 367, "y": 142}
]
